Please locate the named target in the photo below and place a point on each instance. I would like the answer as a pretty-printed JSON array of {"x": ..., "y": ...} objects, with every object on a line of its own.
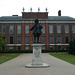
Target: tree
[
  {"x": 72, "y": 47},
  {"x": 2, "y": 42}
]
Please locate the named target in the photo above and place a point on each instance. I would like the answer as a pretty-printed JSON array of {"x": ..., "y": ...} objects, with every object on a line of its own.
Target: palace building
[{"x": 57, "y": 30}]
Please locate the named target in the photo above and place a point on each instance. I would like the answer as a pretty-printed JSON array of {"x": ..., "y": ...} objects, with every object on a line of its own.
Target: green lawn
[
  {"x": 65, "y": 56},
  {"x": 7, "y": 56}
]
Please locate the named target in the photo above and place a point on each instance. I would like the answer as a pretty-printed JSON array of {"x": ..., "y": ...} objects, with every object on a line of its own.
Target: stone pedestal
[{"x": 37, "y": 60}]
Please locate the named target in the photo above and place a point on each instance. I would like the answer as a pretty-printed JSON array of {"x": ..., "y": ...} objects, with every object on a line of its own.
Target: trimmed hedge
[
  {"x": 71, "y": 47},
  {"x": 16, "y": 51},
  {"x": 29, "y": 51},
  {"x": 47, "y": 51}
]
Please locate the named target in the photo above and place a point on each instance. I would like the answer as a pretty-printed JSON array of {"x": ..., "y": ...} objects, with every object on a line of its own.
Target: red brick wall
[
  {"x": 35, "y": 15},
  {"x": 47, "y": 35},
  {"x": 22, "y": 36}
]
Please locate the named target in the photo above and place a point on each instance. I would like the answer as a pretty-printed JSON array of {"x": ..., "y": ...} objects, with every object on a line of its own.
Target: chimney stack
[{"x": 59, "y": 13}]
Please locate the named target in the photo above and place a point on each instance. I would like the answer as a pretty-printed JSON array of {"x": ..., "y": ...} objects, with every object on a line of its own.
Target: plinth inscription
[{"x": 37, "y": 52}]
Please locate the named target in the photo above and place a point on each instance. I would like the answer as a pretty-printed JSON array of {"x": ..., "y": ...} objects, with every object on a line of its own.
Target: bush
[
  {"x": 47, "y": 51},
  {"x": 2, "y": 42},
  {"x": 15, "y": 51},
  {"x": 72, "y": 47},
  {"x": 29, "y": 51}
]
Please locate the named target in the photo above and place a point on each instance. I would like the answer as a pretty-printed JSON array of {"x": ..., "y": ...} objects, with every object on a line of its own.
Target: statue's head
[{"x": 36, "y": 21}]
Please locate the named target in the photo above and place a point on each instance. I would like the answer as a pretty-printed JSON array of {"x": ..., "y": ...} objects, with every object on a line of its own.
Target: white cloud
[{"x": 10, "y": 7}]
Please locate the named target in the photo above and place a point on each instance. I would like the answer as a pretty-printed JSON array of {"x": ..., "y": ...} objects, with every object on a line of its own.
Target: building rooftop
[
  {"x": 11, "y": 18},
  {"x": 52, "y": 18},
  {"x": 60, "y": 18}
]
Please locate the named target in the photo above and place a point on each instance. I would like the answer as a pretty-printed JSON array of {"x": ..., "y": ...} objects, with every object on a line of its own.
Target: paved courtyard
[{"x": 16, "y": 66}]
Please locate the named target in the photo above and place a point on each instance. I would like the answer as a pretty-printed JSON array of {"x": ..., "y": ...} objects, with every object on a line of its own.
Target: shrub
[
  {"x": 2, "y": 42},
  {"x": 29, "y": 51},
  {"x": 15, "y": 51},
  {"x": 72, "y": 47},
  {"x": 47, "y": 51}
]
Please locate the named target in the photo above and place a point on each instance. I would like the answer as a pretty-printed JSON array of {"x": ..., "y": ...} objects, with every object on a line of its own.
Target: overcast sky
[{"x": 12, "y": 7}]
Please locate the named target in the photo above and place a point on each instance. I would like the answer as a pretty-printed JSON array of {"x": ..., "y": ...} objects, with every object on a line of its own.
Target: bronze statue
[{"x": 37, "y": 31}]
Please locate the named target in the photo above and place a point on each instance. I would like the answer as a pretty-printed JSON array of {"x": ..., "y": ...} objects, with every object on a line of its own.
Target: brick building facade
[{"x": 57, "y": 30}]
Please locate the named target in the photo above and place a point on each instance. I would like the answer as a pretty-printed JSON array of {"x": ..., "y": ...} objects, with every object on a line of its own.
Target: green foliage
[
  {"x": 72, "y": 47},
  {"x": 2, "y": 42},
  {"x": 47, "y": 51},
  {"x": 29, "y": 51},
  {"x": 16, "y": 51}
]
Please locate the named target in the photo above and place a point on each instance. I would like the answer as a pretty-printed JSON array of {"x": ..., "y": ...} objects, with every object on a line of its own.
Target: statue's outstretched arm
[{"x": 31, "y": 28}]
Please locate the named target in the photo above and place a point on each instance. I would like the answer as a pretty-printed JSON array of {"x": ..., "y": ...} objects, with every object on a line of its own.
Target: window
[
  {"x": 51, "y": 47},
  {"x": 59, "y": 47},
  {"x": 59, "y": 40},
  {"x": 43, "y": 29},
  {"x": 73, "y": 27},
  {"x": 58, "y": 29},
  {"x": 11, "y": 40},
  {"x": 50, "y": 28},
  {"x": 3, "y": 29},
  {"x": 51, "y": 40},
  {"x": 27, "y": 47},
  {"x": 66, "y": 29},
  {"x": 27, "y": 40},
  {"x": 43, "y": 40},
  {"x": 19, "y": 47},
  {"x": 66, "y": 39},
  {"x": 11, "y": 29},
  {"x": 19, "y": 29},
  {"x": 27, "y": 29},
  {"x": 43, "y": 47},
  {"x": 10, "y": 48},
  {"x": 19, "y": 40}
]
